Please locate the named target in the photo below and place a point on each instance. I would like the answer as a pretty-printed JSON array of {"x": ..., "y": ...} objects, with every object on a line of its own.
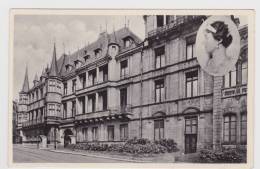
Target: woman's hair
[{"x": 222, "y": 33}]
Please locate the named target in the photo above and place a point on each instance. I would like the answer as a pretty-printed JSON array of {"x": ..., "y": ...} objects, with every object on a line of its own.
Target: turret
[
  {"x": 35, "y": 81},
  {"x": 54, "y": 88}
]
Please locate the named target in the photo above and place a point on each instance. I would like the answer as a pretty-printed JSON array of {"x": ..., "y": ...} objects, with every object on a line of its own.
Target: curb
[{"x": 105, "y": 157}]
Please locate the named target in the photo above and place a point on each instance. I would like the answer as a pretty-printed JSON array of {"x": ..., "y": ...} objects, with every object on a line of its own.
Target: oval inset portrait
[{"x": 217, "y": 45}]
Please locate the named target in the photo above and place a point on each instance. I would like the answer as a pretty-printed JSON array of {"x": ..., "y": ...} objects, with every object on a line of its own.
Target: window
[
  {"x": 128, "y": 42},
  {"x": 103, "y": 100},
  {"x": 237, "y": 76},
  {"x": 82, "y": 103},
  {"x": 68, "y": 68},
  {"x": 103, "y": 73},
  {"x": 190, "y": 46},
  {"x": 244, "y": 73},
  {"x": 191, "y": 125},
  {"x": 52, "y": 110},
  {"x": 97, "y": 52},
  {"x": 192, "y": 84},
  {"x": 65, "y": 88},
  {"x": 123, "y": 98},
  {"x": 52, "y": 85},
  {"x": 110, "y": 132},
  {"x": 92, "y": 103},
  {"x": 73, "y": 107},
  {"x": 230, "y": 128},
  {"x": 95, "y": 133},
  {"x": 74, "y": 86},
  {"x": 123, "y": 132},
  {"x": 86, "y": 57},
  {"x": 124, "y": 69},
  {"x": 64, "y": 110},
  {"x": 92, "y": 77},
  {"x": 41, "y": 92},
  {"x": 160, "y": 20},
  {"x": 159, "y": 90},
  {"x": 158, "y": 129},
  {"x": 159, "y": 57},
  {"x": 82, "y": 79},
  {"x": 243, "y": 131},
  {"x": 85, "y": 134}
]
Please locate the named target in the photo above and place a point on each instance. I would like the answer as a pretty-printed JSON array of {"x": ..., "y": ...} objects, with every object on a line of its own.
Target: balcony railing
[
  {"x": 33, "y": 122},
  {"x": 112, "y": 113},
  {"x": 234, "y": 91},
  {"x": 178, "y": 21}
]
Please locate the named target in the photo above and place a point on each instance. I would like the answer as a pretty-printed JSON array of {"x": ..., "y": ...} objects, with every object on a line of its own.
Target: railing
[
  {"x": 105, "y": 113},
  {"x": 234, "y": 91},
  {"x": 33, "y": 122},
  {"x": 172, "y": 25}
]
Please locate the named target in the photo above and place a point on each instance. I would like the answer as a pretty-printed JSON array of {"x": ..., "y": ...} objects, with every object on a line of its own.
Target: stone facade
[{"x": 121, "y": 87}]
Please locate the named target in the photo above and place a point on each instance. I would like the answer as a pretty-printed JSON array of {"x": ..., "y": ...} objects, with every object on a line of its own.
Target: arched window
[{"x": 230, "y": 121}]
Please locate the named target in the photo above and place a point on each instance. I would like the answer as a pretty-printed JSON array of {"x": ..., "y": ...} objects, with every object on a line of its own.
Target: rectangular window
[
  {"x": 123, "y": 132},
  {"x": 192, "y": 84},
  {"x": 52, "y": 85},
  {"x": 82, "y": 103},
  {"x": 124, "y": 69},
  {"x": 103, "y": 73},
  {"x": 85, "y": 134},
  {"x": 64, "y": 110},
  {"x": 104, "y": 99},
  {"x": 123, "y": 99},
  {"x": 230, "y": 129},
  {"x": 158, "y": 129},
  {"x": 82, "y": 79},
  {"x": 65, "y": 88},
  {"x": 92, "y": 77},
  {"x": 110, "y": 132},
  {"x": 190, "y": 51},
  {"x": 73, "y": 108},
  {"x": 97, "y": 52},
  {"x": 160, "y": 20},
  {"x": 159, "y": 57},
  {"x": 92, "y": 103},
  {"x": 74, "y": 86},
  {"x": 191, "y": 125},
  {"x": 244, "y": 73},
  {"x": 95, "y": 133},
  {"x": 159, "y": 91},
  {"x": 243, "y": 131},
  {"x": 52, "y": 110}
]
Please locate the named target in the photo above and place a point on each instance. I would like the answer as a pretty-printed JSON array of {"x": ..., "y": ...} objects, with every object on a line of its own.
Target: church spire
[
  {"x": 26, "y": 81},
  {"x": 54, "y": 68}
]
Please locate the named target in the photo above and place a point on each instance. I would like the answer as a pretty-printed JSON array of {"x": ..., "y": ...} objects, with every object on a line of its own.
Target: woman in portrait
[{"x": 217, "y": 40}]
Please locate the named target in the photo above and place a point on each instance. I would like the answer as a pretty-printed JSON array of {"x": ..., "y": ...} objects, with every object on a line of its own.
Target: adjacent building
[{"x": 121, "y": 87}]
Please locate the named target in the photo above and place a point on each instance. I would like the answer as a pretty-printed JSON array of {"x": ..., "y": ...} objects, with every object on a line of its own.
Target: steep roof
[
  {"x": 102, "y": 43},
  {"x": 26, "y": 81},
  {"x": 54, "y": 67}
]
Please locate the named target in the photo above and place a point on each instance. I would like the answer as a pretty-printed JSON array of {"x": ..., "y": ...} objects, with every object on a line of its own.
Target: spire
[
  {"x": 26, "y": 81},
  {"x": 54, "y": 68}
]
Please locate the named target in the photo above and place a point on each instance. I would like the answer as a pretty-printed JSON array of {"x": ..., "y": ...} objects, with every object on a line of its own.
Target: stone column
[
  {"x": 97, "y": 73},
  {"x": 217, "y": 112},
  {"x": 87, "y": 79}
]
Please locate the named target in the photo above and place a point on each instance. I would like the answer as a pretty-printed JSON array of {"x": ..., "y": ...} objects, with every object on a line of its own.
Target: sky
[{"x": 34, "y": 36}]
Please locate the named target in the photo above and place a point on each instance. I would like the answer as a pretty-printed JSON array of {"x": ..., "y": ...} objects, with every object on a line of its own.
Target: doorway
[
  {"x": 191, "y": 127},
  {"x": 67, "y": 139}
]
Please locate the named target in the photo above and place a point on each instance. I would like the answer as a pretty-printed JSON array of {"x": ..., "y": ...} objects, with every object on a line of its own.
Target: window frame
[
  {"x": 192, "y": 79},
  {"x": 243, "y": 142},
  {"x": 159, "y": 52},
  {"x": 110, "y": 128},
  {"x": 124, "y": 128},
  {"x": 229, "y": 122},
  {"x": 159, "y": 121},
  {"x": 161, "y": 84}
]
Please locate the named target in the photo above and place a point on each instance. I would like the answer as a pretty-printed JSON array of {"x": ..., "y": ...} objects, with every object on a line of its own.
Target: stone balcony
[
  {"x": 41, "y": 121},
  {"x": 234, "y": 91},
  {"x": 105, "y": 115}
]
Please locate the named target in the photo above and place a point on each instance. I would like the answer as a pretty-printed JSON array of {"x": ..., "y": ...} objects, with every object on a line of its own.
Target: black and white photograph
[{"x": 159, "y": 87}]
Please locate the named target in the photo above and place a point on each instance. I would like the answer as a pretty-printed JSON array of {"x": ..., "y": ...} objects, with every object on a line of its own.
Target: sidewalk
[{"x": 157, "y": 158}]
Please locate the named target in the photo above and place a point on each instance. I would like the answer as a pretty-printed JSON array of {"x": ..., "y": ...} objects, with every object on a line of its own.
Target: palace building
[{"x": 121, "y": 87}]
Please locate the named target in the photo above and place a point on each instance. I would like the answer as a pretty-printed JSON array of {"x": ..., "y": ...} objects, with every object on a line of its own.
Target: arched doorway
[{"x": 67, "y": 139}]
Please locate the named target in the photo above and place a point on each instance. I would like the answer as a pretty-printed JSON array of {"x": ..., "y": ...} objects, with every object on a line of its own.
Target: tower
[{"x": 23, "y": 103}]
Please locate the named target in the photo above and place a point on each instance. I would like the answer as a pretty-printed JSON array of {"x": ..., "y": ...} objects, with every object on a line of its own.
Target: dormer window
[
  {"x": 97, "y": 52},
  {"x": 86, "y": 57},
  {"x": 113, "y": 50},
  {"x": 128, "y": 42},
  {"x": 68, "y": 68},
  {"x": 77, "y": 64}
]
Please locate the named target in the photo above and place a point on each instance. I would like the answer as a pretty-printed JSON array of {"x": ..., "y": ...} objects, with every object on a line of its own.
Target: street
[{"x": 29, "y": 155}]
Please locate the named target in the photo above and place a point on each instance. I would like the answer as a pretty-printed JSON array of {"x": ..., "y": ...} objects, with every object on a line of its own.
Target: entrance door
[
  {"x": 190, "y": 143},
  {"x": 191, "y": 126},
  {"x": 67, "y": 139}
]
